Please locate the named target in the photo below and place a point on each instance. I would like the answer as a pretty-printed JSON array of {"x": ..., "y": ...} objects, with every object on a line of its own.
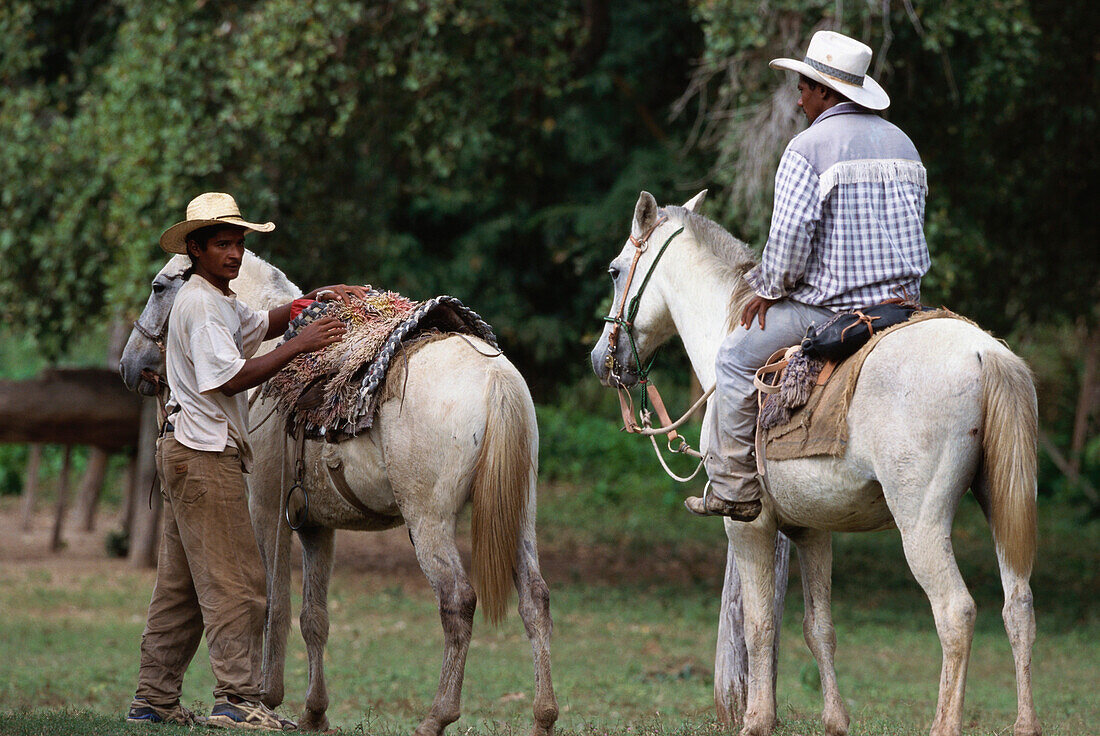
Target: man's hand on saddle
[
  {"x": 319, "y": 334},
  {"x": 338, "y": 291},
  {"x": 755, "y": 309}
]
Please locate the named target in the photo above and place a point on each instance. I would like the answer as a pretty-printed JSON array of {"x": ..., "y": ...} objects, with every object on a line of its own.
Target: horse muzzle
[{"x": 610, "y": 371}]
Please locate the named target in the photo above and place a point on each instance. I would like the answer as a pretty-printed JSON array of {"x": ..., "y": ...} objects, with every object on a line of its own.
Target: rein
[
  {"x": 157, "y": 338},
  {"x": 648, "y": 394}
]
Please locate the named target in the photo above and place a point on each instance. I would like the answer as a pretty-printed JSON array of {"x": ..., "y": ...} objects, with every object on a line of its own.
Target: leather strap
[
  {"x": 773, "y": 369},
  {"x": 340, "y": 483},
  {"x": 662, "y": 413},
  {"x": 826, "y": 372}
]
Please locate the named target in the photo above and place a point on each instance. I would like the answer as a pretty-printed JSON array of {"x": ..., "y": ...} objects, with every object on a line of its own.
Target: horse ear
[
  {"x": 645, "y": 212},
  {"x": 695, "y": 201}
]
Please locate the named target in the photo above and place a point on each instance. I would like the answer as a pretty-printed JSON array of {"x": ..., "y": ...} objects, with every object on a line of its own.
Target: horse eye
[
  {"x": 158, "y": 287},
  {"x": 614, "y": 273}
]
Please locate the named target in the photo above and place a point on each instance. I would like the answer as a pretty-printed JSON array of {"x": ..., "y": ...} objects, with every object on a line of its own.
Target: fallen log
[{"x": 70, "y": 406}]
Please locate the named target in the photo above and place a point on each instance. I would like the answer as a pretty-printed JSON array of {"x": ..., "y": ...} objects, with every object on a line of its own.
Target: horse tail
[
  {"x": 503, "y": 480},
  {"x": 1009, "y": 435}
]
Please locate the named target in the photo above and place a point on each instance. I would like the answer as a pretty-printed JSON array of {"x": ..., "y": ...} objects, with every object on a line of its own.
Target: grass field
[{"x": 633, "y": 643}]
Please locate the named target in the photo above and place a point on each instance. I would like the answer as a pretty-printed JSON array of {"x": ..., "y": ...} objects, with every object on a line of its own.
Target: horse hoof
[{"x": 311, "y": 721}]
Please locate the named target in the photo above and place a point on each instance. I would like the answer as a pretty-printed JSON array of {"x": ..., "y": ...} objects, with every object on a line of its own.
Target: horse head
[
  {"x": 142, "y": 364},
  {"x": 639, "y": 320}
]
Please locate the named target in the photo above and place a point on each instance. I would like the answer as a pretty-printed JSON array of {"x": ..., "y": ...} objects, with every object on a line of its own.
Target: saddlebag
[{"x": 847, "y": 332}]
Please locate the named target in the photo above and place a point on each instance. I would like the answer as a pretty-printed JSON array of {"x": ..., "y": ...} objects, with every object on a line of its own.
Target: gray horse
[{"x": 458, "y": 427}]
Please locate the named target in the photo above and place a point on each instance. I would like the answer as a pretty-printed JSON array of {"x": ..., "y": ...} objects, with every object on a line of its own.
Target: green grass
[{"x": 628, "y": 659}]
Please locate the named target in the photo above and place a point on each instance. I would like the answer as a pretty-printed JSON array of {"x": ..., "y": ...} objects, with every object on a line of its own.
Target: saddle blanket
[
  {"x": 820, "y": 427},
  {"x": 334, "y": 393}
]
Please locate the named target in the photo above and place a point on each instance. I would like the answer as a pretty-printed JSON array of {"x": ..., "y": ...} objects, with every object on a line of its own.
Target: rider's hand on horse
[
  {"x": 320, "y": 334},
  {"x": 338, "y": 291},
  {"x": 756, "y": 308}
]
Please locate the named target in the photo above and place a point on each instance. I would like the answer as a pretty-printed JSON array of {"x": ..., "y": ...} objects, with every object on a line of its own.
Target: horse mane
[{"x": 732, "y": 256}]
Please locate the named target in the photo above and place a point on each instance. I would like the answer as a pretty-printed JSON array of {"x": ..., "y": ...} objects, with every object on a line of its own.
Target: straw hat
[
  {"x": 839, "y": 63},
  {"x": 211, "y": 208}
]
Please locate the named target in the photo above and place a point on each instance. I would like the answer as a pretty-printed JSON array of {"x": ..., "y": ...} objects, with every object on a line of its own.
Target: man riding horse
[{"x": 846, "y": 233}]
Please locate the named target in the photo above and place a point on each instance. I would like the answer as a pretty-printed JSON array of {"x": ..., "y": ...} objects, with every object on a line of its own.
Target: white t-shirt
[{"x": 209, "y": 337}]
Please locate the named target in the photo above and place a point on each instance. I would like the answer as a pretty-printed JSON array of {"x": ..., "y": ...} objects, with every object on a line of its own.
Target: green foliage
[
  {"x": 425, "y": 147},
  {"x": 13, "y": 459},
  {"x": 997, "y": 98}
]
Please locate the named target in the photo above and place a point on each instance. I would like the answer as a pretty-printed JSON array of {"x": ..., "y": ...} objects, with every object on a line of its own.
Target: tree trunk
[
  {"x": 731, "y": 663},
  {"x": 145, "y": 529},
  {"x": 80, "y": 406},
  {"x": 90, "y": 488},
  {"x": 62, "y": 499},
  {"x": 30, "y": 485},
  {"x": 1086, "y": 397}
]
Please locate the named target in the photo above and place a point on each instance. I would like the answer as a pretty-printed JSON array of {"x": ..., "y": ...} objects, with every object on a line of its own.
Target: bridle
[
  {"x": 624, "y": 317},
  {"x": 648, "y": 394},
  {"x": 157, "y": 338}
]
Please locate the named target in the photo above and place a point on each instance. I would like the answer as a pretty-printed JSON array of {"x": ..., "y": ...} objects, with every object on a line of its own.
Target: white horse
[
  {"x": 458, "y": 427},
  {"x": 940, "y": 407}
]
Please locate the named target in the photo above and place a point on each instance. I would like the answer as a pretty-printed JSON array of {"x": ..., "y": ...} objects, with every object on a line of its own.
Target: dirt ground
[{"x": 387, "y": 553}]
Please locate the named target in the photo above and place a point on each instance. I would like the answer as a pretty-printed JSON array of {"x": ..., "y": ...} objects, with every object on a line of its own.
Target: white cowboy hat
[
  {"x": 839, "y": 63},
  {"x": 211, "y": 208}
]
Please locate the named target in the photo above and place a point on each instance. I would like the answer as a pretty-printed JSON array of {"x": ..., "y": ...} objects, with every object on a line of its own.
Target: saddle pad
[
  {"x": 821, "y": 426},
  {"x": 334, "y": 393}
]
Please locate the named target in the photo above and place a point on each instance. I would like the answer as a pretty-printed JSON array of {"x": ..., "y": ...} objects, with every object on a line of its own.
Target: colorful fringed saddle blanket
[{"x": 334, "y": 392}]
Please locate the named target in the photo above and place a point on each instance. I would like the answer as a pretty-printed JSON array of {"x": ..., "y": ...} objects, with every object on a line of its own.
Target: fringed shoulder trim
[{"x": 873, "y": 170}]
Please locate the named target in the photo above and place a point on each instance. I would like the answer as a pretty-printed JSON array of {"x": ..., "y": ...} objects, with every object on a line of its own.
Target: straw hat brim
[
  {"x": 870, "y": 95},
  {"x": 174, "y": 239}
]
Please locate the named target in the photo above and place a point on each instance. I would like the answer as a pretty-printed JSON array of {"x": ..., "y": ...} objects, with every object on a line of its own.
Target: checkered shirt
[{"x": 858, "y": 243}]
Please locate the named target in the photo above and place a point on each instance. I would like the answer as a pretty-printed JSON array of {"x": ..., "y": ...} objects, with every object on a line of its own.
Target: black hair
[
  {"x": 813, "y": 84},
  {"x": 201, "y": 237}
]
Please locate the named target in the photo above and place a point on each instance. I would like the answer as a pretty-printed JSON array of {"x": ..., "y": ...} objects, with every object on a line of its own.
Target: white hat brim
[
  {"x": 871, "y": 95},
  {"x": 174, "y": 239}
]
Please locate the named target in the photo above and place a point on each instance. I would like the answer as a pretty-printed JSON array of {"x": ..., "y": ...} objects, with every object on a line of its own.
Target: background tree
[{"x": 490, "y": 151}]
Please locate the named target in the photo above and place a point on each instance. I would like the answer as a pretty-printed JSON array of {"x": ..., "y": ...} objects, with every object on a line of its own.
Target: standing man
[
  {"x": 209, "y": 574},
  {"x": 847, "y": 232}
]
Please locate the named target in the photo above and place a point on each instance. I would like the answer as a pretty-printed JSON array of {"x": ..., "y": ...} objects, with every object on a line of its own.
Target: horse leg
[
  {"x": 815, "y": 556},
  {"x": 754, "y": 550},
  {"x": 534, "y": 610},
  {"x": 1019, "y": 618},
  {"x": 927, "y": 544},
  {"x": 273, "y": 538},
  {"x": 316, "y": 571},
  {"x": 434, "y": 542}
]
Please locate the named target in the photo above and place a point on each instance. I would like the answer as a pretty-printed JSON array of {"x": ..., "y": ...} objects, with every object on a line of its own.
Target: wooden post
[
  {"x": 145, "y": 530},
  {"x": 126, "y": 518},
  {"x": 30, "y": 485},
  {"x": 731, "y": 662},
  {"x": 62, "y": 499},
  {"x": 90, "y": 488}
]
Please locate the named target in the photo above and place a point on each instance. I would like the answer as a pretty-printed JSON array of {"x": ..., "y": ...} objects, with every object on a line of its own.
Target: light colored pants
[
  {"x": 730, "y": 462},
  {"x": 209, "y": 576}
]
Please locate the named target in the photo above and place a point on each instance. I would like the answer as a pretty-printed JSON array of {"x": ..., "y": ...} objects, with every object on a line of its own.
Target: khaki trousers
[{"x": 209, "y": 576}]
